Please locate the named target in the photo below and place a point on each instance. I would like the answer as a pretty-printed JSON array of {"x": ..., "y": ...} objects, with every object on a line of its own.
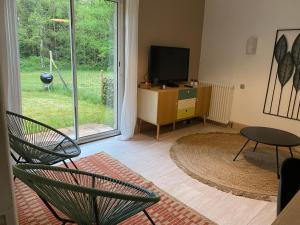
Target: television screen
[{"x": 168, "y": 64}]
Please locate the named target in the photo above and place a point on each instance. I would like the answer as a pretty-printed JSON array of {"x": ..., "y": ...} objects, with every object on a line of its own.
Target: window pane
[
  {"x": 96, "y": 52},
  {"x": 45, "y": 60}
]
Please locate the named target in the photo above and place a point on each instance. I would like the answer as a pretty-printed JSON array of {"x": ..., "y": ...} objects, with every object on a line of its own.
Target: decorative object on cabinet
[{"x": 145, "y": 85}]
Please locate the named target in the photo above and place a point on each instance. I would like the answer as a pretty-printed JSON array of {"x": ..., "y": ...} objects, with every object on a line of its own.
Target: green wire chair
[
  {"x": 86, "y": 198},
  {"x": 39, "y": 143}
]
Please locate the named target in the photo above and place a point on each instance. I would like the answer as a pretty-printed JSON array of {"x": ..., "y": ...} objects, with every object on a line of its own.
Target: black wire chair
[
  {"x": 86, "y": 198},
  {"x": 289, "y": 183},
  {"x": 38, "y": 143}
]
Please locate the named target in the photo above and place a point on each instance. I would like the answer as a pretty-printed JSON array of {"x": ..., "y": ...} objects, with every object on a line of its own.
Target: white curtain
[
  {"x": 7, "y": 202},
  {"x": 9, "y": 57},
  {"x": 129, "y": 108}
]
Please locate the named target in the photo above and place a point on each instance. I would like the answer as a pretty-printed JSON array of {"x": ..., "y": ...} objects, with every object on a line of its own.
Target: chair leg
[
  {"x": 149, "y": 218},
  {"x": 277, "y": 162},
  {"x": 64, "y": 221},
  {"x": 66, "y": 165},
  {"x": 73, "y": 164},
  {"x": 17, "y": 160}
]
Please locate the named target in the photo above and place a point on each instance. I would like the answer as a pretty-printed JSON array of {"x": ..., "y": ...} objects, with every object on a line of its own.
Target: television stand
[
  {"x": 171, "y": 84},
  {"x": 168, "y": 106}
]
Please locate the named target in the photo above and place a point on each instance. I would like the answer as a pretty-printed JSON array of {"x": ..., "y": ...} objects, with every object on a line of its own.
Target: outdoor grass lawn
[{"x": 55, "y": 107}]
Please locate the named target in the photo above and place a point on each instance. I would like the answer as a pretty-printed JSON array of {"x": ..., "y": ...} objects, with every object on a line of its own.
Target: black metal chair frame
[
  {"x": 124, "y": 196},
  {"x": 61, "y": 157},
  {"x": 22, "y": 159}
]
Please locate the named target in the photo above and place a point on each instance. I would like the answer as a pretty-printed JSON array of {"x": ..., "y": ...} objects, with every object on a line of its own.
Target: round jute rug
[{"x": 209, "y": 157}]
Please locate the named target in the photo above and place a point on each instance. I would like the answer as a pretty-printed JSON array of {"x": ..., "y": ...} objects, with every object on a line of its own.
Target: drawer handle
[{"x": 186, "y": 110}]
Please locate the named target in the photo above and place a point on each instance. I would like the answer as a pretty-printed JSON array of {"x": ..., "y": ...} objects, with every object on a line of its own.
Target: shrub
[
  {"x": 34, "y": 63},
  {"x": 108, "y": 91}
]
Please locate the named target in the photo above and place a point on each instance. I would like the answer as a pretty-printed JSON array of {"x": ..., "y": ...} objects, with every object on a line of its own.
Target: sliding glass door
[
  {"x": 45, "y": 61},
  {"x": 96, "y": 28},
  {"x": 70, "y": 64}
]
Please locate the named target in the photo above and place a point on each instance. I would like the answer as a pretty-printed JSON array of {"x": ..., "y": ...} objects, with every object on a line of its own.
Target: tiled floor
[{"x": 151, "y": 159}]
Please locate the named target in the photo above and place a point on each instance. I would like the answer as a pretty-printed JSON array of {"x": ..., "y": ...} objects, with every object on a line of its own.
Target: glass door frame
[{"x": 119, "y": 87}]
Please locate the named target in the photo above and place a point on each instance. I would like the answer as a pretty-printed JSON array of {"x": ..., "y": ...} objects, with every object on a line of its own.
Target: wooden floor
[{"x": 150, "y": 158}]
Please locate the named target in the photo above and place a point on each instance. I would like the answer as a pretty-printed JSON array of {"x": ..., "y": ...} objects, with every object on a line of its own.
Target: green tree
[{"x": 94, "y": 24}]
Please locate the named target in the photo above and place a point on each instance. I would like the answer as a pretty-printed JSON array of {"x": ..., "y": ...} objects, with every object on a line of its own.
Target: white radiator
[{"x": 221, "y": 102}]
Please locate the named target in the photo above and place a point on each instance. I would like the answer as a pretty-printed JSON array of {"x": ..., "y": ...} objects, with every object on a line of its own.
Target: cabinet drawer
[
  {"x": 187, "y": 93},
  {"x": 187, "y": 103},
  {"x": 185, "y": 113}
]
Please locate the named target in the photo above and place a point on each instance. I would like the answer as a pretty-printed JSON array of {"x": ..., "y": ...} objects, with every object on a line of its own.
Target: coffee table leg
[
  {"x": 255, "y": 146},
  {"x": 291, "y": 152},
  {"x": 277, "y": 161},
  {"x": 241, "y": 150}
]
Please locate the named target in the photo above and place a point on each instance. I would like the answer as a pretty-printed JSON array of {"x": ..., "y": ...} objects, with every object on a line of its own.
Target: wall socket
[{"x": 2, "y": 220}]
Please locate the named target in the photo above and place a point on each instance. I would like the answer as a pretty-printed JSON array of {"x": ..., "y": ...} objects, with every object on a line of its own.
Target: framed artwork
[{"x": 283, "y": 90}]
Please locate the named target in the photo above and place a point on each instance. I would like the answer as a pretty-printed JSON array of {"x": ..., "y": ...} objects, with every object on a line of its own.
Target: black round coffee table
[{"x": 269, "y": 136}]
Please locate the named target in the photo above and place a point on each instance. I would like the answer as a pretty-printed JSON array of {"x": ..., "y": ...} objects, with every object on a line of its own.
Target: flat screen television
[{"x": 168, "y": 65}]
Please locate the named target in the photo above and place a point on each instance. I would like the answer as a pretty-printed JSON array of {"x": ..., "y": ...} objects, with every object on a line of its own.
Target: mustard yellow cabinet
[
  {"x": 203, "y": 102},
  {"x": 160, "y": 107}
]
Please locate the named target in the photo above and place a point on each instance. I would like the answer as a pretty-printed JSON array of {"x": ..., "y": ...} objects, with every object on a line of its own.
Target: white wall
[
  {"x": 176, "y": 23},
  {"x": 227, "y": 26}
]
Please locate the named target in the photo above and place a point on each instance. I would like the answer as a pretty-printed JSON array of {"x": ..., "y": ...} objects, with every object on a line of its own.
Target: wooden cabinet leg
[
  {"x": 174, "y": 125},
  {"x": 204, "y": 119},
  {"x": 140, "y": 125},
  {"x": 157, "y": 131}
]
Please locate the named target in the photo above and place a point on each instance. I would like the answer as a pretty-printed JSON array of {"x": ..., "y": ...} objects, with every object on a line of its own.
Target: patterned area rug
[
  {"x": 209, "y": 157},
  {"x": 168, "y": 211}
]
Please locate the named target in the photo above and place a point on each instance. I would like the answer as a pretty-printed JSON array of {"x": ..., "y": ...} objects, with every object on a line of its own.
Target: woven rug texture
[
  {"x": 168, "y": 211},
  {"x": 208, "y": 157}
]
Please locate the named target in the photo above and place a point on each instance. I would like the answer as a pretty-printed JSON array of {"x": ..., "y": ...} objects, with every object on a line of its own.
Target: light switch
[{"x": 251, "y": 45}]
